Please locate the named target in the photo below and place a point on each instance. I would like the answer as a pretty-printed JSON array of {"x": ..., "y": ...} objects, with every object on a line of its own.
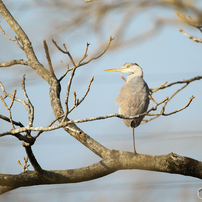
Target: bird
[{"x": 133, "y": 98}]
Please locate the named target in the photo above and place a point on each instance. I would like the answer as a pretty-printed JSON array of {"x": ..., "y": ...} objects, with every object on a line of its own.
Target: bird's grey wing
[{"x": 133, "y": 100}]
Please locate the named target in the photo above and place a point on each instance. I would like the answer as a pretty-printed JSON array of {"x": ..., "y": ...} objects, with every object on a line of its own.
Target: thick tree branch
[
  {"x": 114, "y": 161},
  {"x": 26, "y": 44},
  {"x": 32, "y": 159}
]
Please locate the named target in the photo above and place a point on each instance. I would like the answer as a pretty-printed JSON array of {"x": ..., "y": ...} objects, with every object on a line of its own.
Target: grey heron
[{"x": 133, "y": 98}]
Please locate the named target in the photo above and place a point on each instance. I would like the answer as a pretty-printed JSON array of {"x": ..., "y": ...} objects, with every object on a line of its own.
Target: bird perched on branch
[{"x": 133, "y": 98}]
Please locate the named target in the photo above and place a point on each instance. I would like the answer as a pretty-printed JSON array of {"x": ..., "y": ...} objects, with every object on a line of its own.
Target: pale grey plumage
[{"x": 133, "y": 98}]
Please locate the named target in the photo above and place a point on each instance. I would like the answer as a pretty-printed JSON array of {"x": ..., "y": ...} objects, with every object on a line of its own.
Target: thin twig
[
  {"x": 67, "y": 123},
  {"x": 16, "y": 39},
  {"x": 52, "y": 122},
  {"x": 85, "y": 55},
  {"x": 8, "y": 120},
  {"x": 160, "y": 87},
  {"x": 9, "y": 108},
  {"x": 25, "y": 167},
  {"x": 123, "y": 78},
  {"x": 181, "y": 82},
  {"x": 14, "y": 62},
  {"x": 31, "y": 107},
  {"x": 6, "y": 35},
  {"x": 162, "y": 112},
  {"x": 64, "y": 51},
  {"x": 178, "y": 110},
  {"x": 191, "y": 37},
  {"x": 68, "y": 91},
  {"x": 67, "y": 70},
  {"x": 94, "y": 58},
  {"x": 190, "y": 21},
  {"x": 68, "y": 53},
  {"x": 16, "y": 99},
  {"x": 49, "y": 59},
  {"x": 76, "y": 101}
]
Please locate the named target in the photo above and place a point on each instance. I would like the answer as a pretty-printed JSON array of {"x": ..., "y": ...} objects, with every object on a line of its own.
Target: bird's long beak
[{"x": 120, "y": 69}]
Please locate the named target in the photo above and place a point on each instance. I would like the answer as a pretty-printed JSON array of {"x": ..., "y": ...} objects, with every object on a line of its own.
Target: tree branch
[
  {"x": 191, "y": 37},
  {"x": 14, "y": 62},
  {"x": 32, "y": 159},
  {"x": 26, "y": 44},
  {"x": 178, "y": 82},
  {"x": 49, "y": 60},
  {"x": 77, "y": 101},
  {"x": 114, "y": 161},
  {"x": 30, "y": 106},
  {"x": 8, "y": 120}
]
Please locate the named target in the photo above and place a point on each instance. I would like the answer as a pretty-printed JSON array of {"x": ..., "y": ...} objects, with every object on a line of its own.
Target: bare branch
[
  {"x": 85, "y": 55},
  {"x": 123, "y": 78},
  {"x": 191, "y": 37},
  {"x": 14, "y": 62},
  {"x": 162, "y": 112},
  {"x": 31, "y": 107},
  {"x": 32, "y": 159},
  {"x": 16, "y": 39},
  {"x": 67, "y": 70},
  {"x": 88, "y": 1},
  {"x": 94, "y": 58},
  {"x": 6, "y": 35},
  {"x": 25, "y": 167},
  {"x": 52, "y": 122},
  {"x": 8, "y": 120},
  {"x": 64, "y": 51},
  {"x": 178, "y": 110},
  {"x": 24, "y": 40},
  {"x": 49, "y": 59},
  {"x": 16, "y": 99},
  {"x": 180, "y": 82},
  {"x": 190, "y": 21},
  {"x": 160, "y": 87},
  {"x": 9, "y": 108},
  {"x": 28, "y": 106},
  {"x": 76, "y": 101},
  {"x": 67, "y": 93},
  {"x": 114, "y": 161},
  {"x": 68, "y": 53},
  {"x": 66, "y": 123}
]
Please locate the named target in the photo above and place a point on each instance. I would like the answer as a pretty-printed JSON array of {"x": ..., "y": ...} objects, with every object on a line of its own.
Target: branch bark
[
  {"x": 116, "y": 160},
  {"x": 26, "y": 44}
]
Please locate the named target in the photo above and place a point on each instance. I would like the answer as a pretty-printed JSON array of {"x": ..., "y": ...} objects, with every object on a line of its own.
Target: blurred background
[{"x": 146, "y": 33}]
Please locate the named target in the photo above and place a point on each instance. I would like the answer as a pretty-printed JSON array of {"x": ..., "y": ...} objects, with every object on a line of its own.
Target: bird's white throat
[{"x": 139, "y": 73}]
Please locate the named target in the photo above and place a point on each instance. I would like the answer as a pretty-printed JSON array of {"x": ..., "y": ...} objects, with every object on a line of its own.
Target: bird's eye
[{"x": 128, "y": 66}]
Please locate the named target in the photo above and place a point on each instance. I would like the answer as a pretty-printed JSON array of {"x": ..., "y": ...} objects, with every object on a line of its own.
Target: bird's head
[{"x": 132, "y": 68}]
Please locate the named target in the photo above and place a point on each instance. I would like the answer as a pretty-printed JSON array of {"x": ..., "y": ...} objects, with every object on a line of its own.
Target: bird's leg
[{"x": 134, "y": 140}]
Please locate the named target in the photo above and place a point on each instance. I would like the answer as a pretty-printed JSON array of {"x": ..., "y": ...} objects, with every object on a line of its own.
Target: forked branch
[{"x": 192, "y": 23}]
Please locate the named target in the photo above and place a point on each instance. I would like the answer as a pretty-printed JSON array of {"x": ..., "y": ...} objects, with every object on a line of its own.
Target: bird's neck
[{"x": 134, "y": 75}]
